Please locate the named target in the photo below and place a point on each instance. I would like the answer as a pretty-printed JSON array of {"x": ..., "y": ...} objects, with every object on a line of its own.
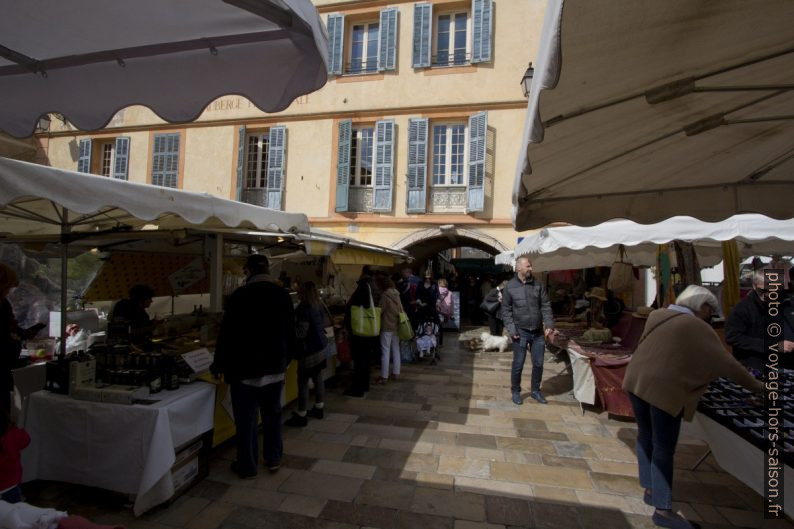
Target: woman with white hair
[{"x": 678, "y": 355}]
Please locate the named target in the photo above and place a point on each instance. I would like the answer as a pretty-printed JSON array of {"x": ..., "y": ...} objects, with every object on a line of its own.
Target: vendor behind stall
[
  {"x": 129, "y": 320},
  {"x": 11, "y": 336}
]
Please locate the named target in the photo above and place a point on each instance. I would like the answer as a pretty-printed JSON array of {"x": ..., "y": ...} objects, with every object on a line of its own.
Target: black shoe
[
  {"x": 236, "y": 469},
  {"x": 316, "y": 413},
  {"x": 273, "y": 467},
  {"x": 538, "y": 396},
  {"x": 353, "y": 393},
  {"x": 517, "y": 398},
  {"x": 673, "y": 521},
  {"x": 297, "y": 420}
]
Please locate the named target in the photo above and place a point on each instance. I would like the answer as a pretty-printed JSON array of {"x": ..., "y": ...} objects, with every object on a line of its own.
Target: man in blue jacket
[
  {"x": 256, "y": 337},
  {"x": 526, "y": 310}
]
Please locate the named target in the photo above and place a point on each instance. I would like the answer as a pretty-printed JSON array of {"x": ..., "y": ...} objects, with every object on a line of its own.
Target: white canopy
[
  {"x": 564, "y": 247},
  {"x": 645, "y": 110},
  {"x": 87, "y": 59},
  {"x": 33, "y": 199}
]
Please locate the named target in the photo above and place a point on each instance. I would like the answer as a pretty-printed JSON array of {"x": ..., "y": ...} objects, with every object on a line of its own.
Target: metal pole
[
  {"x": 64, "y": 278},
  {"x": 215, "y": 243}
]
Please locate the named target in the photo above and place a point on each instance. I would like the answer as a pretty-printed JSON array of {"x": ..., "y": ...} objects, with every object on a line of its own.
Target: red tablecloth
[{"x": 608, "y": 363}]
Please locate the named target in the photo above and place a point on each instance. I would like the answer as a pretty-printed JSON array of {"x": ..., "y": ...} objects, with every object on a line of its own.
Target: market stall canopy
[
  {"x": 645, "y": 110},
  {"x": 87, "y": 59},
  {"x": 565, "y": 247},
  {"x": 33, "y": 199}
]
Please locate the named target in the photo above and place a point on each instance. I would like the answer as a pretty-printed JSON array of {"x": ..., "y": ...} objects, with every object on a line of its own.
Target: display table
[
  {"x": 124, "y": 448},
  {"x": 737, "y": 455},
  {"x": 601, "y": 369}
]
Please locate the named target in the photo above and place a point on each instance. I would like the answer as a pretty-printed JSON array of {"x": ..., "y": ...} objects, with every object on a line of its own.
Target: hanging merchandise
[{"x": 621, "y": 275}]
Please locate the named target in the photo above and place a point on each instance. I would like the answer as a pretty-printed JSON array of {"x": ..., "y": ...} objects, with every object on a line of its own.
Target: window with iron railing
[{"x": 363, "y": 48}]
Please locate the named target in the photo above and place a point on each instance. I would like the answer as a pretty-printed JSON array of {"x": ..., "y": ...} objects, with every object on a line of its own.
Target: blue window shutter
[
  {"x": 165, "y": 160},
  {"x": 478, "y": 128},
  {"x": 416, "y": 199},
  {"x": 276, "y": 162},
  {"x": 238, "y": 193},
  {"x": 423, "y": 25},
  {"x": 387, "y": 45},
  {"x": 336, "y": 37},
  {"x": 84, "y": 157},
  {"x": 343, "y": 164},
  {"x": 482, "y": 29},
  {"x": 384, "y": 165},
  {"x": 122, "y": 158}
]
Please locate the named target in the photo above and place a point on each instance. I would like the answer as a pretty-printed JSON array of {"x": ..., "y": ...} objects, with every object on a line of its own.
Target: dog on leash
[{"x": 494, "y": 343}]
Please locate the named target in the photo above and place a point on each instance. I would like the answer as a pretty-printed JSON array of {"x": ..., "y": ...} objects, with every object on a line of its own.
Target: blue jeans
[
  {"x": 537, "y": 346},
  {"x": 657, "y": 437},
  {"x": 246, "y": 401}
]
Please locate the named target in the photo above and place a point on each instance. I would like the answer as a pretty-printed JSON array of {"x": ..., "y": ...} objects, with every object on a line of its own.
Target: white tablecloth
[
  {"x": 584, "y": 388},
  {"x": 738, "y": 456},
  {"x": 124, "y": 448}
]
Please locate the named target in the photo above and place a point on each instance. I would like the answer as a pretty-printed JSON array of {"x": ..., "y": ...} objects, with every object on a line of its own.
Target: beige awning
[{"x": 644, "y": 110}]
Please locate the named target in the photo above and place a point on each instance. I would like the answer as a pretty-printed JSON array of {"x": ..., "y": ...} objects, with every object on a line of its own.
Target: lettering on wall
[{"x": 240, "y": 103}]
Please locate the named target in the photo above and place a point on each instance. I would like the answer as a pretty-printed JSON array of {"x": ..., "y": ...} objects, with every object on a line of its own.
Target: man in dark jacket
[
  {"x": 745, "y": 328},
  {"x": 256, "y": 337},
  {"x": 526, "y": 310}
]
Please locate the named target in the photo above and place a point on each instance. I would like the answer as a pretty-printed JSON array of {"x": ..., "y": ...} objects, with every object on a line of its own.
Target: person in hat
[
  {"x": 597, "y": 297},
  {"x": 526, "y": 313},
  {"x": 254, "y": 347},
  {"x": 679, "y": 354}
]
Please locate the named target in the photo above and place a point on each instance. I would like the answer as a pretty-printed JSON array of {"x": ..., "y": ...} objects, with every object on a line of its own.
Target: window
[
  {"x": 457, "y": 161},
  {"x": 365, "y": 46},
  {"x": 364, "y": 167},
  {"x": 256, "y": 161},
  {"x": 449, "y": 146},
  {"x": 165, "y": 160},
  {"x": 104, "y": 157},
  {"x": 451, "y": 40},
  {"x": 363, "y": 49},
  {"x": 452, "y": 37},
  {"x": 361, "y": 145},
  {"x": 261, "y": 166},
  {"x": 106, "y": 163}
]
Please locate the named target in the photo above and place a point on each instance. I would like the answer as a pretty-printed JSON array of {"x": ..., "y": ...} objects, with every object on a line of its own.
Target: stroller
[{"x": 426, "y": 341}]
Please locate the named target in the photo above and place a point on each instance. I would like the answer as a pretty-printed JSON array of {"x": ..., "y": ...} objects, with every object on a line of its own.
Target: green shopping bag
[
  {"x": 404, "y": 329},
  {"x": 365, "y": 321}
]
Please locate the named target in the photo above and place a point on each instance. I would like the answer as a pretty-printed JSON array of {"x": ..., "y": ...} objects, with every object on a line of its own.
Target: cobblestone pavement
[{"x": 442, "y": 447}]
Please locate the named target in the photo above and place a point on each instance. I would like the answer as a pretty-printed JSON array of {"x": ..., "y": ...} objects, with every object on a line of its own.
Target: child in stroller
[{"x": 427, "y": 341}]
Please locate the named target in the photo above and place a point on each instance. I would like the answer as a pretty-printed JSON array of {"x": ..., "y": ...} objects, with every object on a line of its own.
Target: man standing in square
[
  {"x": 526, "y": 311},
  {"x": 256, "y": 337}
]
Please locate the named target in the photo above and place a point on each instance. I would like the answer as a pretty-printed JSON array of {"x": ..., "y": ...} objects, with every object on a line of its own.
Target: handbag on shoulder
[{"x": 365, "y": 321}]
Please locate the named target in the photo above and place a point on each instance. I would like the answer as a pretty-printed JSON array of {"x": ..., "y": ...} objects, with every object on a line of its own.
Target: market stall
[{"x": 658, "y": 109}]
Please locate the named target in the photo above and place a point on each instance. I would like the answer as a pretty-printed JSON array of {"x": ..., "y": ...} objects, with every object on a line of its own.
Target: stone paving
[{"x": 442, "y": 447}]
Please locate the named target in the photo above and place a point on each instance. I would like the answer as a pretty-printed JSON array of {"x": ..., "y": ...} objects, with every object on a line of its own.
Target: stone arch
[{"x": 425, "y": 243}]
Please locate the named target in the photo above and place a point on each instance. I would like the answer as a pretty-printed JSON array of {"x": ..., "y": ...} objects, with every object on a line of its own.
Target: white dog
[{"x": 493, "y": 343}]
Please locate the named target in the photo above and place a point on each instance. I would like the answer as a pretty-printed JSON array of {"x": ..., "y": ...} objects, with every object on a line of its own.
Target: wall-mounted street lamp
[{"x": 526, "y": 81}]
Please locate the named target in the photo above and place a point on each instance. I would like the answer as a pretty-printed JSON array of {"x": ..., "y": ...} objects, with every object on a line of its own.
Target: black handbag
[{"x": 491, "y": 307}]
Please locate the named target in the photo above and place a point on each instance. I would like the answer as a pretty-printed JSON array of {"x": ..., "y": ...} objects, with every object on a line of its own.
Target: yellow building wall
[{"x": 209, "y": 148}]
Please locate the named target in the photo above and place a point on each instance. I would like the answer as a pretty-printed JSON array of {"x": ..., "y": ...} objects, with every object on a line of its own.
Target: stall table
[
  {"x": 737, "y": 455},
  {"x": 124, "y": 448},
  {"x": 600, "y": 370}
]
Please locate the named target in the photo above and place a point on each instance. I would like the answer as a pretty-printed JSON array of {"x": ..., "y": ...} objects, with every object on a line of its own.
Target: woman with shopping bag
[
  {"x": 391, "y": 309},
  {"x": 362, "y": 320}
]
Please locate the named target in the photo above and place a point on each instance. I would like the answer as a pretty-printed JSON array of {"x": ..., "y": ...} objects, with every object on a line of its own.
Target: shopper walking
[
  {"x": 391, "y": 307},
  {"x": 311, "y": 317}
]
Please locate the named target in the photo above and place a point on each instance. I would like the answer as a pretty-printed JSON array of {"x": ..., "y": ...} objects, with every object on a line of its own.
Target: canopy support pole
[
  {"x": 215, "y": 245},
  {"x": 65, "y": 228}
]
